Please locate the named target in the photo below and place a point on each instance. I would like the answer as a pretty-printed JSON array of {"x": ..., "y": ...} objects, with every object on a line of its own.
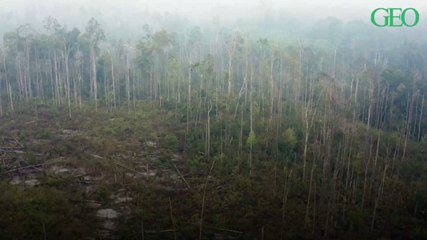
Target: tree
[{"x": 95, "y": 35}]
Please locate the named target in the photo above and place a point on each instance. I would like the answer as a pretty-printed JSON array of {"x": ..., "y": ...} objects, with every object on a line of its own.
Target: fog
[
  {"x": 131, "y": 13},
  {"x": 223, "y": 8}
]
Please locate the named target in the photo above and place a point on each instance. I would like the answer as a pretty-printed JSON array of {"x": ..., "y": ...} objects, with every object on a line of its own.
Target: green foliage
[
  {"x": 243, "y": 184},
  {"x": 52, "y": 181},
  {"x": 103, "y": 195},
  {"x": 224, "y": 165},
  {"x": 46, "y": 134},
  {"x": 94, "y": 32},
  {"x": 193, "y": 141},
  {"x": 357, "y": 219},
  {"x": 251, "y": 140},
  {"x": 290, "y": 138},
  {"x": 40, "y": 213},
  {"x": 171, "y": 141},
  {"x": 421, "y": 201},
  {"x": 31, "y": 158},
  {"x": 197, "y": 165}
]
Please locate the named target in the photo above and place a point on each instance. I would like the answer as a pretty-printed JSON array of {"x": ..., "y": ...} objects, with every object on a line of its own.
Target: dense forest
[{"x": 252, "y": 130}]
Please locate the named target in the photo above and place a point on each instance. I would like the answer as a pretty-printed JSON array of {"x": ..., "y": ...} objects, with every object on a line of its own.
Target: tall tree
[{"x": 95, "y": 35}]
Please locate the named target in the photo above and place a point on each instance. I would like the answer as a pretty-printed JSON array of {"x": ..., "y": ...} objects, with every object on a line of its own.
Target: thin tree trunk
[{"x": 203, "y": 200}]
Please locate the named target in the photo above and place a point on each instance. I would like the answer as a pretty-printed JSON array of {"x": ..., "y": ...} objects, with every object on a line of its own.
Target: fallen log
[{"x": 30, "y": 166}]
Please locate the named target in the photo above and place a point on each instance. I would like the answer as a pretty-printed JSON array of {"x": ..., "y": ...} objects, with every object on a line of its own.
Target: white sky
[
  {"x": 310, "y": 10},
  {"x": 203, "y": 7},
  {"x": 317, "y": 8}
]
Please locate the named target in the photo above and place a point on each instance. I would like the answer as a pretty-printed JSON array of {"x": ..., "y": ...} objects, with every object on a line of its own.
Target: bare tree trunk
[
  {"x": 172, "y": 218},
  {"x": 408, "y": 124},
  {"x": 251, "y": 120},
  {"x": 203, "y": 200},
  {"x": 93, "y": 75},
  {"x": 208, "y": 132},
  {"x": 113, "y": 82},
  {"x": 128, "y": 82},
  {"x": 1, "y": 90},
  {"x": 421, "y": 118},
  {"x": 307, "y": 209},
  {"x": 6, "y": 79},
  {"x": 67, "y": 78},
  {"x": 380, "y": 192},
  {"x": 10, "y": 98},
  {"x": 284, "y": 201},
  {"x": 57, "y": 84},
  {"x": 189, "y": 97},
  {"x": 229, "y": 72}
]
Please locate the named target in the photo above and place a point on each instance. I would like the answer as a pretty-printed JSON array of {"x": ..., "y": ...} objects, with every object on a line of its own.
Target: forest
[{"x": 256, "y": 129}]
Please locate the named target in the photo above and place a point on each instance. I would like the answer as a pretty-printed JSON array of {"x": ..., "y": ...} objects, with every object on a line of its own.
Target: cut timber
[
  {"x": 130, "y": 169},
  {"x": 30, "y": 166},
  {"x": 182, "y": 177}
]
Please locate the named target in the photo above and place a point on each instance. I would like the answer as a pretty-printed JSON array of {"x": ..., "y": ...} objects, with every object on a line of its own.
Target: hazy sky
[
  {"x": 127, "y": 16},
  {"x": 305, "y": 8},
  {"x": 240, "y": 8}
]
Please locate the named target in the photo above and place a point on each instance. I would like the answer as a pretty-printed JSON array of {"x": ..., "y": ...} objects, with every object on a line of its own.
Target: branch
[
  {"x": 31, "y": 166},
  {"x": 182, "y": 177},
  {"x": 130, "y": 169}
]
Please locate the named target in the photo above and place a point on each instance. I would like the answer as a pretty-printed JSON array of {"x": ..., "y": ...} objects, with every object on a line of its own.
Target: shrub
[
  {"x": 171, "y": 141},
  {"x": 41, "y": 213},
  {"x": 290, "y": 138},
  {"x": 103, "y": 195},
  {"x": 251, "y": 139}
]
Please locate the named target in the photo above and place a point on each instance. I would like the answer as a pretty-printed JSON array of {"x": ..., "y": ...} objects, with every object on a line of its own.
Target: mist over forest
[{"x": 211, "y": 120}]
